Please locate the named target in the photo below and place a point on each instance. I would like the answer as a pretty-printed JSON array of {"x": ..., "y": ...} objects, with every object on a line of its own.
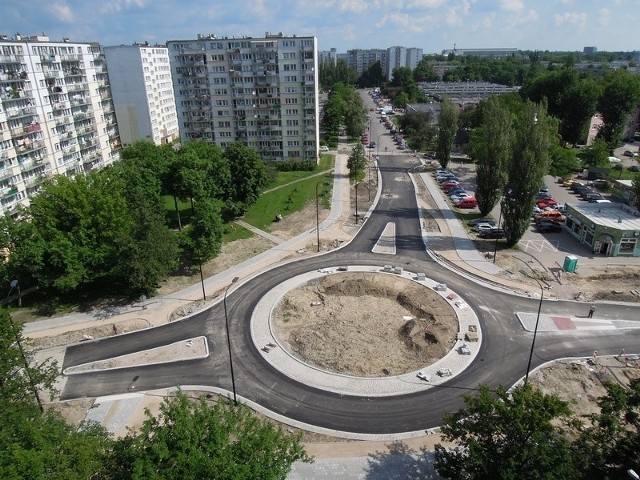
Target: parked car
[
  {"x": 634, "y": 168},
  {"x": 449, "y": 183},
  {"x": 476, "y": 221},
  {"x": 542, "y": 195},
  {"x": 456, "y": 191},
  {"x": 324, "y": 148},
  {"x": 554, "y": 215},
  {"x": 629, "y": 153},
  {"x": 549, "y": 226},
  {"x": 592, "y": 197},
  {"x": 546, "y": 202},
  {"x": 483, "y": 226},
  {"x": 459, "y": 196},
  {"x": 469, "y": 202},
  {"x": 493, "y": 233}
]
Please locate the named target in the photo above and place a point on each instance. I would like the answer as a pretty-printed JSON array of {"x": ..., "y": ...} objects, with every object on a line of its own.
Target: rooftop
[{"x": 611, "y": 215}]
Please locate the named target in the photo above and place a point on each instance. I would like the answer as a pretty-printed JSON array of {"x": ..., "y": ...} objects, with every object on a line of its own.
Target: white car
[
  {"x": 459, "y": 196},
  {"x": 483, "y": 226},
  {"x": 422, "y": 375},
  {"x": 324, "y": 148},
  {"x": 614, "y": 160}
]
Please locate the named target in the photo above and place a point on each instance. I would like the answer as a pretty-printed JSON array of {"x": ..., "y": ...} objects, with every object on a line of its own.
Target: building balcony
[
  {"x": 50, "y": 73},
  {"x": 70, "y": 58},
  {"x": 63, "y": 120},
  {"x": 74, "y": 72},
  {"x": 21, "y": 112},
  {"x": 61, "y": 105},
  {"x": 77, "y": 87},
  {"x": 30, "y": 147},
  {"x": 8, "y": 59}
]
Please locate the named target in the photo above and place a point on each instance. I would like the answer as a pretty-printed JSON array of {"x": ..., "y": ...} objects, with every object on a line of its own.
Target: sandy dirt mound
[{"x": 366, "y": 324}]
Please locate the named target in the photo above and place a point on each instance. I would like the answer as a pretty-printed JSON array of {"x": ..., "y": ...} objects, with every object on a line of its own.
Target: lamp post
[
  {"x": 318, "y": 215},
  {"x": 535, "y": 329},
  {"x": 204, "y": 295},
  {"x": 369, "y": 148},
  {"x": 495, "y": 248},
  {"x": 226, "y": 321},
  {"x": 357, "y": 183}
]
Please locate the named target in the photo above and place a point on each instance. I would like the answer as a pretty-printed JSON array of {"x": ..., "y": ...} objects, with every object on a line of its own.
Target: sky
[{"x": 433, "y": 25}]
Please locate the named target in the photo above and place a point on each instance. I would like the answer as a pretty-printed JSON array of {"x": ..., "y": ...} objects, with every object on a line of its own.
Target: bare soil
[{"x": 366, "y": 324}]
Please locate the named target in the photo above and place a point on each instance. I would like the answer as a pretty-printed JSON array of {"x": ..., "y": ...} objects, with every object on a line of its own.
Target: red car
[
  {"x": 446, "y": 186},
  {"x": 546, "y": 202}
]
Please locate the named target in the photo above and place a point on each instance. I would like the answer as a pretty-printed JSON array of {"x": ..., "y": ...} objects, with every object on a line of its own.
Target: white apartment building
[
  {"x": 398, "y": 57},
  {"x": 142, "y": 90},
  {"x": 56, "y": 115},
  {"x": 262, "y": 92}
]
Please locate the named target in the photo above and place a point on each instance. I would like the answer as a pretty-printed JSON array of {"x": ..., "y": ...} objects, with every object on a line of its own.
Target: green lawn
[{"x": 287, "y": 200}]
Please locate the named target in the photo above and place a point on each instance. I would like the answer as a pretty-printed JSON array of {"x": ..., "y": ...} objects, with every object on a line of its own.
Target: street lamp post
[
  {"x": 318, "y": 215},
  {"x": 535, "y": 328},
  {"x": 369, "y": 148},
  {"x": 226, "y": 321},
  {"x": 357, "y": 183},
  {"x": 204, "y": 295},
  {"x": 495, "y": 248}
]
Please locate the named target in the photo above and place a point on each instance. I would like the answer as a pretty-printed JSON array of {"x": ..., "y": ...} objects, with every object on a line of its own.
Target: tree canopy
[
  {"x": 507, "y": 435},
  {"x": 447, "y": 128}
]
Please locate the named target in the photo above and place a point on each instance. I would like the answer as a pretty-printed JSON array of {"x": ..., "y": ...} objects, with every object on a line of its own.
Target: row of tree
[
  {"x": 204, "y": 439},
  {"x": 109, "y": 229}
]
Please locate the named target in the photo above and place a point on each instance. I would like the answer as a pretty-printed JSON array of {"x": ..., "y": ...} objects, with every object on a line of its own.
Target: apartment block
[
  {"x": 56, "y": 114},
  {"x": 398, "y": 57},
  {"x": 142, "y": 90},
  {"x": 262, "y": 92},
  {"x": 360, "y": 59}
]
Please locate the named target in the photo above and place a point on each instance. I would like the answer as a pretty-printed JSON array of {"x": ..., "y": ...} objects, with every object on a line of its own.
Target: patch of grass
[
  {"x": 170, "y": 212},
  {"x": 287, "y": 200},
  {"x": 232, "y": 231}
]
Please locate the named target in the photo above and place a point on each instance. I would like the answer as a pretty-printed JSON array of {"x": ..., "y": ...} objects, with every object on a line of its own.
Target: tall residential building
[
  {"x": 56, "y": 115},
  {"x": 142, "y": 91},
  {"x": 328, "y": 56},
  {"x": 401, "y": 57},
  {"x": 360, "y": 59},
  {"x": 262, "y": 92}
]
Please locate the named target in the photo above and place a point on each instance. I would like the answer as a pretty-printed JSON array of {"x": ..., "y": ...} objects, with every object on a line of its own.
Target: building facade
[
  {"x": 262, "y": 92},
  {"x": 56, "y": 114},
  {"x": 608, "y": 229},
  {"x": 360, "y": 59},
  {"x": 142, "y": 91},
  {"x": 328, "y": 57},
  {"x": 398, "y": 57}
]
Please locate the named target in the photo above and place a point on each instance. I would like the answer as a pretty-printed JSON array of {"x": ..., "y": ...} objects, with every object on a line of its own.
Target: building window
[{"x": 627, "y": 246}]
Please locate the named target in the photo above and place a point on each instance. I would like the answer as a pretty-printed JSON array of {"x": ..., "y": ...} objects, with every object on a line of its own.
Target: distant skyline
[{"x": 433, "y": 25}]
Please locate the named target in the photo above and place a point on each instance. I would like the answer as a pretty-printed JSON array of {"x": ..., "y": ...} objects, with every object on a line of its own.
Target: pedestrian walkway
[{"x": 558, "y": 323}]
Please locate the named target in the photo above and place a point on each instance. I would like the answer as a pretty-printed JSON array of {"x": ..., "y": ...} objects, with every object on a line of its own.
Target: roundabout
[{"x": 461, "y": 349}]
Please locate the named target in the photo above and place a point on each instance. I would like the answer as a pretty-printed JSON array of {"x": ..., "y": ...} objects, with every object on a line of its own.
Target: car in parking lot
[
  {"x": 483, "y": 226},
  {"x": 476, "y": 221},
  {"x": 634, "y": 168},
  {"x": 554, "y": 215},
  {"x": 549, "y": 226},
  {"x": 456, "y": 191},
  {"x": 460, "y": 196},
  {"x": 546, "y": 202},
  {"x": 468, "y": 202},
  {"x": 492, "y": 233},
  {"x": 629, "y": 153},
  {"x": 324, "y": 148}
]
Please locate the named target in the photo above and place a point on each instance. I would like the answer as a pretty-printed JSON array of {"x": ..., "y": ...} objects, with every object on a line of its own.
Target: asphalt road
[{"x": 502, "y": 359}]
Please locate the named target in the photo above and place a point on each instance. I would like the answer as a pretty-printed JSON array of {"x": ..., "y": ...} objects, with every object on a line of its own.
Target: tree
[
  {"x": 596, "y": 154},
  {"x": 80, "y": 222},
  {"x": 331, "y": 73},
  {"x": 636, "y": 187},
  {"x": 564, "y": 161},
  {"x": 490, "y": 147},
  {"x": 418, "y": 129},
  {"x": 612, "y": 442},
  {"x": 205, "y": 232},
  {"x": 248, "y": 176},
  {"x": 507, "y": 436},
  {"x": 447, "y": 128},
  {"x": 194, "y": 439},
  {"x": 373, "y": 76},
  {"x": 34, "y": 444},
  {"x": 424, "y": 72},
  {"x": 620, "y": 96},
  {"x": 356, "y": 162},
  {"x": 534, "y": 131}
]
